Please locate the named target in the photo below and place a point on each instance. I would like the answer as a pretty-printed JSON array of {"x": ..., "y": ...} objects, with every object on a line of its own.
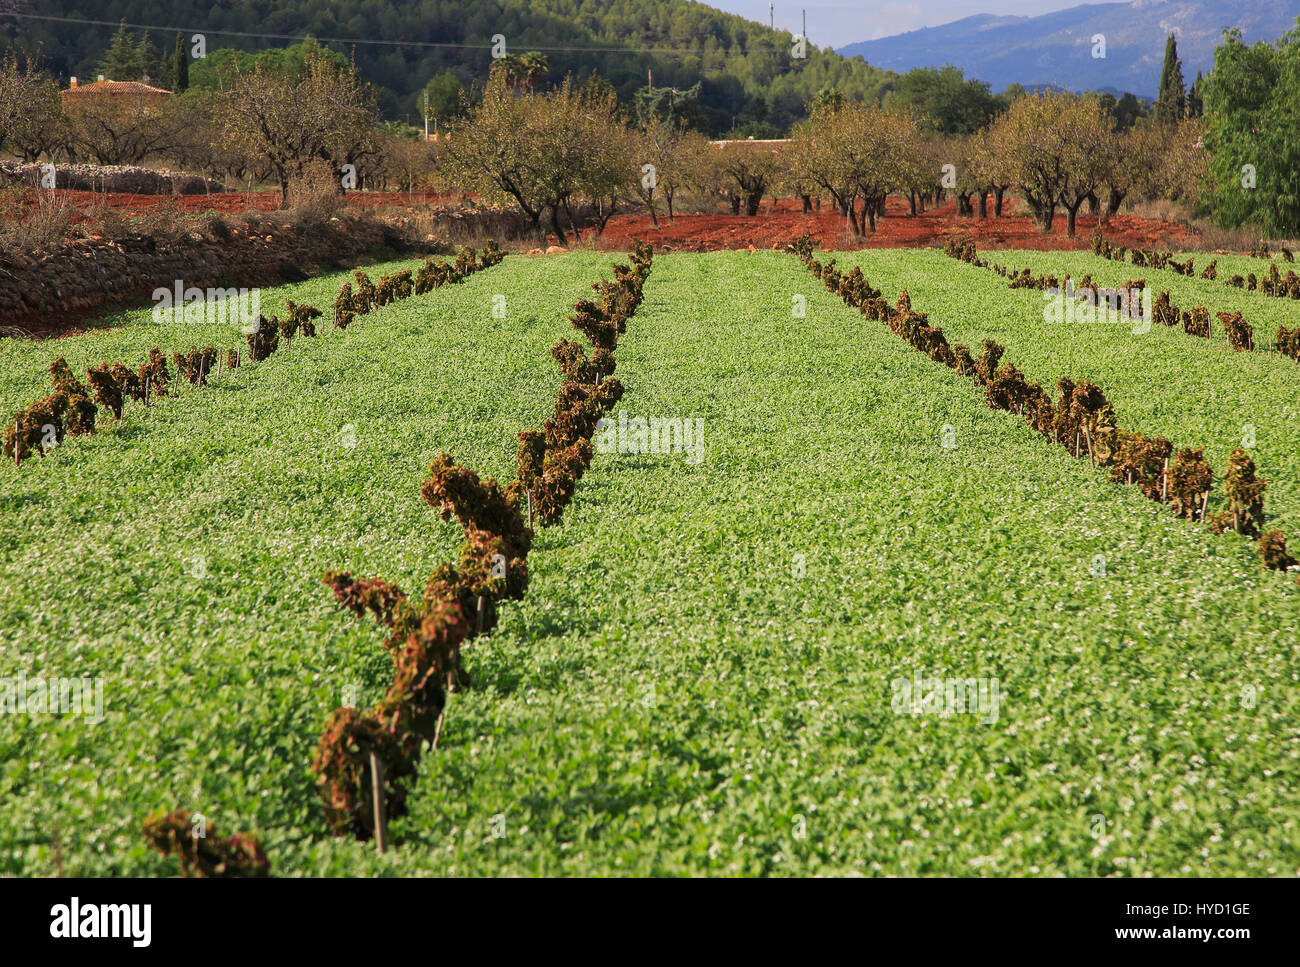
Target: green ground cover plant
[{"x": 704, "y": 675}]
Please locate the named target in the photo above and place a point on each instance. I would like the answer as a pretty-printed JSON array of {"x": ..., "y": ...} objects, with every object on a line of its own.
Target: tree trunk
[
  {"x": 734, "y": 202},
  {"x": 1094, "y": 203},
  {"x": 1113, "y": 200},
  {"x": 752, "y": 201},
  {"x": 997, "y": 202},
  {"x": 911, "y": 202},
  {"x": 807, "y": 204},
  {"x": 984, "y": 203},
  {"x": 555, "y": 225},
  {"x": 1071, "y": 212}
]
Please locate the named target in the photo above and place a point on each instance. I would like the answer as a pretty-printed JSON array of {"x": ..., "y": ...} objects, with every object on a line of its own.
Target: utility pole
[
  {"x": 426, "y": 115},
  {"x": 804, "y": 35},
  {"x": 771, "y": 10}
]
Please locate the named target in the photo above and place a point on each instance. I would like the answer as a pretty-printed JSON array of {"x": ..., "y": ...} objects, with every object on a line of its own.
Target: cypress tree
[
  {"x": 1196, "y": 97},
  {"x": 1171, "y": 102},
  {"x": 146, "y": 60},
  {"x": 180, "y": 66}
]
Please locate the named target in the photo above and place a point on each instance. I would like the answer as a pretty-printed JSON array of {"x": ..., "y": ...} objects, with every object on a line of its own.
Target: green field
[{"x": 700, "y": 678}]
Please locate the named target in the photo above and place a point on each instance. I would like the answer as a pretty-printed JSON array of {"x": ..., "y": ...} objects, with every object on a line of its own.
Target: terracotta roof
[{"x": 117, "y": 87}]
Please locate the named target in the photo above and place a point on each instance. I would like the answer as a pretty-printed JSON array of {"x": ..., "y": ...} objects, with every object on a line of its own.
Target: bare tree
[
  {"x": 327, "y": 114},
  {"x": 31, "y": 119}
]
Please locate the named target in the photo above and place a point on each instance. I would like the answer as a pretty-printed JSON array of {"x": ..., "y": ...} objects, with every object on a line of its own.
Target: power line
[{"x": 444, "y": 45}]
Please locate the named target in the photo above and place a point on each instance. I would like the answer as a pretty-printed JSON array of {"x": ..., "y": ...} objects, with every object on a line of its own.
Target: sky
[{"x": 838, "y": 23}]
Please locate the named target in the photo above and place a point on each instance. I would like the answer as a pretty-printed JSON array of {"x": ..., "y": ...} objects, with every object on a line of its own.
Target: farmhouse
[{"x": 124, "y": 93}]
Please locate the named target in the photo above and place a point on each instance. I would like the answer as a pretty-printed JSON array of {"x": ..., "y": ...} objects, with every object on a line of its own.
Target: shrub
[
  {"x": 197, "y": 364},
  {"x": 1164, "y": 312},
  {"x": 344, "y": 309},
  {"x": 78, "y": 410},
  {"x": 1245, "y": 493},
  {"x": 1240, "y": 336},
  {"x": 1272, "y": 550},
  {"x": 108, "y": 391},
  {"x": 987, "y": 364},
  {"x": 1197, "y": 322},
  {"x": 264, "y": 339},
  {"x": 1141, "y": 460},
  {"x": 1288, "y": 342},
  {"x": 240, "y": 854},
  {"x": 153, "y": 374},
  {"x": 1191, "y": 479}
]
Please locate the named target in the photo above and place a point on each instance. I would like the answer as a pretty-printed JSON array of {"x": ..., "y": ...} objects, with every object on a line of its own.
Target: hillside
[
  {"x": 748, "y": 74},
  {"x": 1056, "y": 48}
]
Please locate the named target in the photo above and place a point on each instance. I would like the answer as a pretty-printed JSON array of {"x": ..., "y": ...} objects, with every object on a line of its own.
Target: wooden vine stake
[
  {"x": 1092, "y": 457},
  {"x": 377, "y": 790},
  {"x": 17, "y": 462},
  {"x": 530, "y": 508},
  {"x": 1164, "y": 485}
]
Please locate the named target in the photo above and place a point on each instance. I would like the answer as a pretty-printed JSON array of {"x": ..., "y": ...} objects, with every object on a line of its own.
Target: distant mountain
[{"x": 1056, "y": 48}]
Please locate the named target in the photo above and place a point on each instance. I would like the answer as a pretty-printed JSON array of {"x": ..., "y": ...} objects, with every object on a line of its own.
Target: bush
[{"x": 210, "y": 855}]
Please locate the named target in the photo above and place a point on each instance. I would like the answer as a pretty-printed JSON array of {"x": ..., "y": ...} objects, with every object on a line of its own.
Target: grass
[
  {"x": 1196, "y": 392},
  {"x": 699, "y": 680}
]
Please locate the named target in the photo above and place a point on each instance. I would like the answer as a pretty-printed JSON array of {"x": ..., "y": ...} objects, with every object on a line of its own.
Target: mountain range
[{"x": 1057, "y": 48}]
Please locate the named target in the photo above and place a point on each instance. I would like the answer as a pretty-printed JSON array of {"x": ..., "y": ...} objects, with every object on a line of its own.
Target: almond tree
[
  {"x": 1089, "y": 152},
  {"x": 659, "y": 143},
  {"x": 113, "y": 129},
  {"x": 1056, "y": 146},
  {"x": 748, "y": 169},
  {"x": 325, "y": 114},
  {"x": 30, "y": 114},
  {"x": 991, "y": 170},
  {"x": 541, "y": 151},
  {"x": 854, "y": 151}
]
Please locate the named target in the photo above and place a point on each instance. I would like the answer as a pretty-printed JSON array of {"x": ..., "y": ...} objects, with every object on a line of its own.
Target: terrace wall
[{"x": 41, "y": 295}]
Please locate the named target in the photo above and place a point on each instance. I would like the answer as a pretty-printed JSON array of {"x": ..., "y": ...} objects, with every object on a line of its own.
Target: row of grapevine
[
  {"x": 176, "y": 833},
  {"x": 1274, "y": 284},
  {"x": 1196, "y": 322},
  {"x": 70, "y": 411},
  {"x": 1261, "y": 251},
  {"x": 367, "y": 296},
  {"x": 460, "y": 601},
  {"x": 1082, "y": 420}
]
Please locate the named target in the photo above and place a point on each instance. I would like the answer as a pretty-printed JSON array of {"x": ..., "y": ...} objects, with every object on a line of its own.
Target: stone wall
[
  {"x": 42, "y": 295},
  {"x": 111, "y": 178}
]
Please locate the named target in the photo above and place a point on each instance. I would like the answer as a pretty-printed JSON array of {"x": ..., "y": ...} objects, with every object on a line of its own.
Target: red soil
[{"x": 768, "y": 229}]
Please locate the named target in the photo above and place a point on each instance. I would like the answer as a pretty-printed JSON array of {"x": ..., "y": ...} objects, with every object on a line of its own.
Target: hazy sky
[{"x": 841, "y": 22}]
